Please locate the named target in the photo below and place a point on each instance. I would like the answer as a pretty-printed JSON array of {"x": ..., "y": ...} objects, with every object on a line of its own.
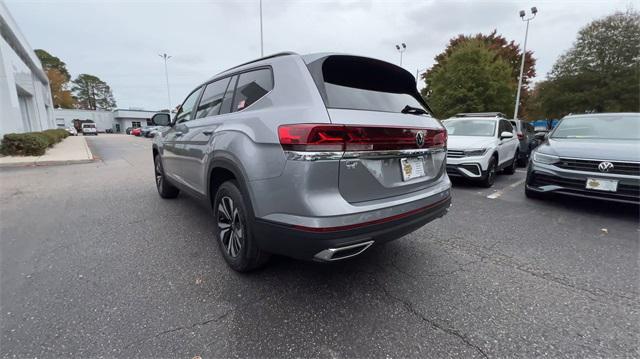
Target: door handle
[
  {"x": 178, "y": 133},
  {"x": 208, "y": 132}
]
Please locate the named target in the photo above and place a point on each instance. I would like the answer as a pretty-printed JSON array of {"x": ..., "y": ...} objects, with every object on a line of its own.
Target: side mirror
[
  {"x": 506, "y": 134},
  {"x": 161, "y": 119},
  {"x": 540, "y": 136}
]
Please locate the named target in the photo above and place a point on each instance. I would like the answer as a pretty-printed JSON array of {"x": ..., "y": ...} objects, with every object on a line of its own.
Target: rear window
[
  {"x": 360, "y": 83},
  {"x": 251, "y": 87}
]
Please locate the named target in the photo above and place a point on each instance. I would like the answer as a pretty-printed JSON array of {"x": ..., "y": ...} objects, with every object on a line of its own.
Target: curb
[{"x": 36, "y": 161}]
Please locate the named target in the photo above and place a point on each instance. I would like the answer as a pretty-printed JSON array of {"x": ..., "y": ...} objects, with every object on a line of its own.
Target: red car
[{"x": 136, "y": 131}]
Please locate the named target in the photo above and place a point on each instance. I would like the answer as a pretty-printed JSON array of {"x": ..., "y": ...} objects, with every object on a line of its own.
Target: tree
[
  {"x": 601, "y": 71},
  {"x": 471, "y": 79},
  {"x": 508, "y": 51},
  {"x": 92, "y": 93},
  {"x": 59, "y": 78}
]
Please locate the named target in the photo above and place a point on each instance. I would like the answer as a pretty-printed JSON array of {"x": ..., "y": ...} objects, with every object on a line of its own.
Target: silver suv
[{"x": 312, "y": 157}]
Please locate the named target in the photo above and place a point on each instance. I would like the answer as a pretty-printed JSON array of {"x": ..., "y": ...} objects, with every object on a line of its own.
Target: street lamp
[
  {"x": 534, "y": 11},
  {"x": 261, "y": 39},
  {"x": 401, "y": 48},
  {"x": 166, "y": 75}
]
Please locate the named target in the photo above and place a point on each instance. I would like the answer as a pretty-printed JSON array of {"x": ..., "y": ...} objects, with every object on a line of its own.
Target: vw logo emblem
[
  {"x": 605, "y": 166},
  {"x": 420, "y": 138}
]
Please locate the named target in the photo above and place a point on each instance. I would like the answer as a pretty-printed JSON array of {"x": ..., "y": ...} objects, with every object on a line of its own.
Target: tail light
[
  {"x": 520, "y": 135},
  {"x": 320, "y": 137}
]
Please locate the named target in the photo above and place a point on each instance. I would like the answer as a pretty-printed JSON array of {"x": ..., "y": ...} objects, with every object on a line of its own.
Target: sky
[{"x": 119, "y": 41}]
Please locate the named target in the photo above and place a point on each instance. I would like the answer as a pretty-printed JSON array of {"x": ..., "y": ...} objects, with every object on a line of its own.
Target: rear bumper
[
  {"x": 308, "y": 243},
  {"x": 550, "y": 179}
]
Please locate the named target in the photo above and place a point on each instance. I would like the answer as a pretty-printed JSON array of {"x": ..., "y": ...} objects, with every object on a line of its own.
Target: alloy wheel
[
  {"x": 230, "y": 226},
  {"x": 159, "y": 176}
]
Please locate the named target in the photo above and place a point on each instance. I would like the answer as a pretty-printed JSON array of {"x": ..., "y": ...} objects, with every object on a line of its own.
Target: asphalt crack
[
  {"x": 411, "y": 309},
  {"x": 192, "y": 326}
]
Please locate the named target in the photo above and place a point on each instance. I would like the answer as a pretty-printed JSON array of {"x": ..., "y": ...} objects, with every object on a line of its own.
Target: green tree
[
  {"x": 59, "y": 78},
  {"x": 509, "y": 51},
  {"x": 601, "y": 71},
  {"x": 472, "y": 78},
  {"x": 92, "y": 93}
]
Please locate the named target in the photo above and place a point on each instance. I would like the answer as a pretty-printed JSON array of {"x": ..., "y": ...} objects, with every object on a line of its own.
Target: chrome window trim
[{"x": 594, "y": 159}]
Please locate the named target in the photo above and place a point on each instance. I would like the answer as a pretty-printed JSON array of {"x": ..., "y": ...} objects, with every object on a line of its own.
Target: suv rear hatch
[{"x": 392, "y": 146}]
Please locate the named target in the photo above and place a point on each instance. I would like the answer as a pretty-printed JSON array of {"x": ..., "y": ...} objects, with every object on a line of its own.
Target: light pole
[
  {"x": 261, "y": 39},
  {"x": 166, "y": 75},
  {"x": 401, "y": 48},
  {"x": 534, "y": 11}
]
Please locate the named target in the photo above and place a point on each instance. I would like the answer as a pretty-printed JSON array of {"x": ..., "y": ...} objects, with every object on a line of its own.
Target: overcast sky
[{"x": 119, "y": 41}]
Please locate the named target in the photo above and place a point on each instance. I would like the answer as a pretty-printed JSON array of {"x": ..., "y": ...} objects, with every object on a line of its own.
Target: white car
[
  {"x": 89, "y": 129},
  {"x": 72, "y": 131},
  {"x": 480, "y": 145}
]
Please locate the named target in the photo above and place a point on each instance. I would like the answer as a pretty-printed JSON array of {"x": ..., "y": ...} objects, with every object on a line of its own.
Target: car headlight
[
  {"x": 546, "y": 159},
  {"x": 475, "y": 152}
]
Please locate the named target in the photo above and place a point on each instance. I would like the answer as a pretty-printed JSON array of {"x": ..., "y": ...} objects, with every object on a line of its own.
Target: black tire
[
  {"x": 522, "y": 161},
  {"x": 511, "y": 169},
  {"x": 165, "y": 189},
  {"x": 234, "y": 232},
  {"x": 490, "y": 174}
]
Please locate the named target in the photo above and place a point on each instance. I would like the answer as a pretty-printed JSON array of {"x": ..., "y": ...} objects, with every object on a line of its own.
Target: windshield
[
  {"x": 611, "y": 127},
  {"x": 470, "y": 127}
]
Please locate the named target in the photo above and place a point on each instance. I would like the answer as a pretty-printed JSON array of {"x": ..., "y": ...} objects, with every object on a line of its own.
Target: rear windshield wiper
[{"x": 414, "y": 110}]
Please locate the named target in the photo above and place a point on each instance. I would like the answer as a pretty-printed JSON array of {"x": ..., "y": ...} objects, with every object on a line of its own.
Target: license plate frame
[
  {"x": 602, "y": 184},
  {"x": 412, "y": 168}
]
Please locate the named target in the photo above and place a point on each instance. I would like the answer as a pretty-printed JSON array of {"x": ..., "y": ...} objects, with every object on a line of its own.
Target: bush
[{"x": 31, "y": 143}]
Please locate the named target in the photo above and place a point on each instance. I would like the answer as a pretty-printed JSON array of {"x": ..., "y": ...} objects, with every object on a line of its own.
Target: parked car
[
  {"x": 72, "y": 131},
  {"x": 146, "y": 130},
  {"x": 313, "y": 157},
  {"x": 480, "y": 145},
  {"x": 136, "y": 131},
  {"x": 592, "y": 155},
  {"x": 128, "y": 130},
  {"x": 526, "y": 136},
  {"x": 89, "y": 129}
]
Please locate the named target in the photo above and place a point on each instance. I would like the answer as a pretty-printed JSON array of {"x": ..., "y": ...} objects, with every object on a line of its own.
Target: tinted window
[
  {"x": 228, "y": 96},
  {"x": 212, "y": 98},
  {"x": 251, "y": 87},
  {"x": 504, "y": 126},
  {"x": 185, "y": 111},
  {"x": 361, "y": 83}
]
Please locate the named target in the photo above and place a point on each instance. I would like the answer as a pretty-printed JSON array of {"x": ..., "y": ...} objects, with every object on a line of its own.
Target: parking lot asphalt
[{"x": 95, "y": 263}]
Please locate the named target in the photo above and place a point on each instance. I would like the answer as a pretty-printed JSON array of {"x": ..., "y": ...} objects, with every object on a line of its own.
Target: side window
[
  {"x": 228, "y": 96},
  {"x": 505, "y": 126},
  {"x": 185, "y": 111},
  {"x": 251, "y": 87},
  {"x": 212, "y": 98}
]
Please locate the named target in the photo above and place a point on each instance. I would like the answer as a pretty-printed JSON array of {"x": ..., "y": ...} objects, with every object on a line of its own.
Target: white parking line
[{"x": 499, "y": 193}]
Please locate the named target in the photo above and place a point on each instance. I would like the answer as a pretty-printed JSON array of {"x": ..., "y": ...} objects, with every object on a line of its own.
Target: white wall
[{"x": 25, "y": 97}]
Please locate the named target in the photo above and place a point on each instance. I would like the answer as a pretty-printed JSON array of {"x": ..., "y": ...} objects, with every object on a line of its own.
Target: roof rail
[
  {"x": 286, "y": 53},
  {"x": 481, "y": 114}
]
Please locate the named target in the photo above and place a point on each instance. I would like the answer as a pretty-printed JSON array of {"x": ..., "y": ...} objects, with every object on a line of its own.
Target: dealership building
[
  {"x": 25, "y": 97},
  {"x": 117, "y": 120}
]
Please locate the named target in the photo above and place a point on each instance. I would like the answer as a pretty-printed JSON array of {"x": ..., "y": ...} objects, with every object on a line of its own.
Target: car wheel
[
  {"x": 165, "y": 189},
  {"x": 233, "y": 230},
  {"x": 522, "y": 160},
  {"x": 511, "y": 169},
  {"x": 490, "y": 174}
]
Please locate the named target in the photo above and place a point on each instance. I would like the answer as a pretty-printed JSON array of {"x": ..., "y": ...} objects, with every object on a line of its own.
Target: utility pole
[
  {"x": 534, "y": 11},
  {"x": 166, "y": 75},
  {"x": 401, "y": 48},
  {"x": 261, "y": 38}
]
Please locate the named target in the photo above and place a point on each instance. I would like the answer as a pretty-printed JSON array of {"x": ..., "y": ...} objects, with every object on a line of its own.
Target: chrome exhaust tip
[{"x": 335, "y": 254}]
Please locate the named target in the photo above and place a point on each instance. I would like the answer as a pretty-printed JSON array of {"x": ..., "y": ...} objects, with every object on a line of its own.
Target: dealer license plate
[
  {"x": 412, "y": 167},
  {"x": 602, "y": 184}
]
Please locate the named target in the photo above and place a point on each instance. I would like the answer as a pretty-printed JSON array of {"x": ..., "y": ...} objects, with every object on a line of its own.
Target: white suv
[{"x": 480, "y": 145}]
